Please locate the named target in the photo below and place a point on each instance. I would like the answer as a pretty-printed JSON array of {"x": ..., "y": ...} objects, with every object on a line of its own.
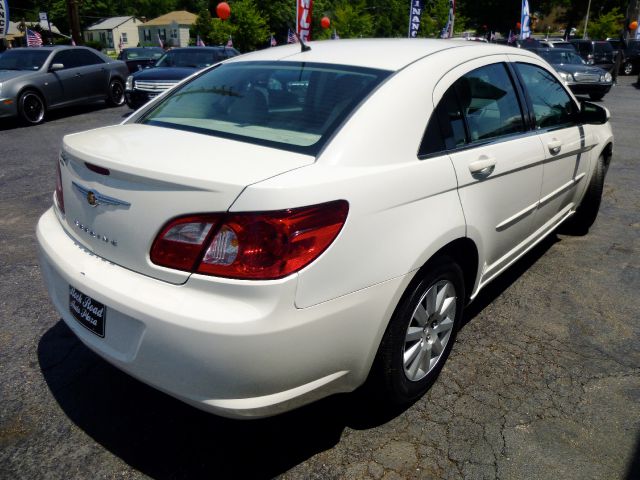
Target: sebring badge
[{"x": 94, "y": 198}]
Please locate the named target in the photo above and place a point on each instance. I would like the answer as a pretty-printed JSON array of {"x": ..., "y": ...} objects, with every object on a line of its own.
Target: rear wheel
[
  {"x": 115, "y": 95},
  {"x": 627, "y": 68},
  {"x": 31, "y": 107},
  {"x": 421, "y": 333},
  {"x": 587, "y": 212}
]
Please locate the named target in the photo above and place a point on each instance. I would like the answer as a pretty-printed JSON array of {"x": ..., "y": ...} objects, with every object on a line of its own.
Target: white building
[
  {"x": 172, "y": 28},
  {"x": 114, "y": 32}
]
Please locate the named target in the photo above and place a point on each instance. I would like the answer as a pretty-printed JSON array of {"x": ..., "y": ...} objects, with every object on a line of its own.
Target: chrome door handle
[
  {"x": 554, "y": 146},
  {"x": 483, "y": 167}
]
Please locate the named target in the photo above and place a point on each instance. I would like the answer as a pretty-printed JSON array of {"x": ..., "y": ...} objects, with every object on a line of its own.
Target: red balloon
[
  {"x": 518, "y": 24},
  {"x": 633, "y": 25},
  {"x": 325, "y": 22},
  {"x": 223, "y": 10}
]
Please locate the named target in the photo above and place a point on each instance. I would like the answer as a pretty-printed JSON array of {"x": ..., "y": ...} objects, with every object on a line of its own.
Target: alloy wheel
[
  {"x": 429, "y": 330},
  {"x": 32, "y": 107}
]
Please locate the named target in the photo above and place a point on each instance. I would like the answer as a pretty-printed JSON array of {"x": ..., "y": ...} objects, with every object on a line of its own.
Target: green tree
[
  {"x": 248, "y": 25},
  {"x": 606, "y": 25},
  {"x": 352, "y": 20},
  {"x": 203, "y": 26}
]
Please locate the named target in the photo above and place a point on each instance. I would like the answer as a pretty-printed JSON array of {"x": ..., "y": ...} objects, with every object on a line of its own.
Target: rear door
[{"x": 498, "y": 162}]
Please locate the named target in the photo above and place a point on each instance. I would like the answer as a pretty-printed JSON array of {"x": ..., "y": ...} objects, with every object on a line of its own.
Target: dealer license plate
[{"x": 88, "y": 312}]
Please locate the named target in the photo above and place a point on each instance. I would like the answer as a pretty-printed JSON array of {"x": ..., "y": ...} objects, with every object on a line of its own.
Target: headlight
[
  {"x": 606, "y": 77},
  {"x": 129, "y": 85},
  {"x": 567, "y": 77}
]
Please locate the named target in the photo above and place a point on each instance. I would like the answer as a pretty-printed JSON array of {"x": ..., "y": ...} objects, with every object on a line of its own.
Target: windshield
[
  {"x": 188, "y": 58},
  {"x": 289, "y": 105},
  {"x": 566, "y": 57},
  {"x": 144, "y": 53},
  {"x": 30, "y": 60}
]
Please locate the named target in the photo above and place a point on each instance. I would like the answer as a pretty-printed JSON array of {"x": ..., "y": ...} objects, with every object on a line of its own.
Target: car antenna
[{"x": 303, "y": 46}]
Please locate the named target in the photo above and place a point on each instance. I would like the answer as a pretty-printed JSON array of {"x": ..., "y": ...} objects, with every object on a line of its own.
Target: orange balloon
[
  {"x": 633, "y": 25},
  {"x": 518, "y": 24},
  {"x": 223, "y": 10},
  {"x": 325, "y": 22}
]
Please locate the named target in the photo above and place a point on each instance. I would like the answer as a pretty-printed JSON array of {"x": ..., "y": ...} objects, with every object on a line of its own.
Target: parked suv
[
  {"x": 630, "y": 61},
  {"x": 596, "y": 52},
  {"x": 170, "y": 69}
]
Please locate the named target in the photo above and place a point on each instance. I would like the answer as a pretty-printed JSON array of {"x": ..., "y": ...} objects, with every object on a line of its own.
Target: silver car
[{"x": 35, "y": 80}]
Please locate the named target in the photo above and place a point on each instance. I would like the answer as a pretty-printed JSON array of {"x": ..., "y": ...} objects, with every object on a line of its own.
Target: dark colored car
[
  {"x": 34, "y": 80},
  {"x": 596, "y": 52},
  {"x": 630, "y": 61},
  {"x": 140, "y": 57},
  {"x": 174, "y": 66},
  {"x": 582, "y": 79}
]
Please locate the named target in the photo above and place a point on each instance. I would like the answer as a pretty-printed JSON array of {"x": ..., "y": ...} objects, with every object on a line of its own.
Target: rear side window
[
  {"x": 603, "y": 48},
  {"x": 552, "y": 105},
  {"x": 480, "y": 106},
  {"x": 290, "y": 105}
]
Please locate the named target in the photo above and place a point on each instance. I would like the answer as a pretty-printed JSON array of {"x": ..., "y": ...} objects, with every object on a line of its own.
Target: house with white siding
[
  {"x": 114, "y": 33},
  {"x": 172, "y": 28}
]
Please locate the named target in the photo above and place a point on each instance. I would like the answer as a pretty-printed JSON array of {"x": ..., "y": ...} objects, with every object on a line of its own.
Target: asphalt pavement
[{"x": 543, "y": 382}]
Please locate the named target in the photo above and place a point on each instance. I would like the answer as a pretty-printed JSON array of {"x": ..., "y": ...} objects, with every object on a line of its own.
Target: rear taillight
[
  {"x": 257, "y": 246},
  {"x": 59, "y": 196}
]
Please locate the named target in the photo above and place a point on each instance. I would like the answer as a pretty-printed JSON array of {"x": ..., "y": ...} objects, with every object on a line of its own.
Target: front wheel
[
  {"x": 31, "y": 107},
  {"x": 115, "y": 95},
  {"x": 421, "y": 333}
]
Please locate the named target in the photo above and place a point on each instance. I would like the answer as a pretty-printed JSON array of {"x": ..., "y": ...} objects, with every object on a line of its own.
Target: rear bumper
[{"x": 238, "y": 349}]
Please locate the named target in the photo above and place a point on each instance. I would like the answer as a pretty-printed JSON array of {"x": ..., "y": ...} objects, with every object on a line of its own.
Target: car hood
[
  {"x": 143, "y": 175},
  {"x": 574, "y": 68},
  {"x": 9, "y": 74},
  {"x": 164, "y": 73}
]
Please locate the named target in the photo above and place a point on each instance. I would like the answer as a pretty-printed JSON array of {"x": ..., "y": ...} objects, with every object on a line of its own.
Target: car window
[
  {"x": 290, "y": 105},
  {"x": 603, "y": 48},
  {"x": 67, "y": 58},
  {"x": 189, "y": 58},
  {"x": 552, "y": 105},
  {"x": 85, "y": 57},
  {"x": 489, "y": 103},
  {"x": 485, "y": 100}
]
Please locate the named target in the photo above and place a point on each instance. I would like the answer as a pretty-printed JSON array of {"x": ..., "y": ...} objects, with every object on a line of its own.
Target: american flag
[
  {"x": 334, "y": 35},
  {"x": 230, "y": 42},
  {"x": 273, "y": 41},
  {"x": 291, "y": 37},
  {"x": 33, "y": 39},
  {"x": 199, "y": 42}
]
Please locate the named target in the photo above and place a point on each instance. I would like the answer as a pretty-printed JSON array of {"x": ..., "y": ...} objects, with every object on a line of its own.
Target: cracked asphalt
[{"x": 543, "y": 382}]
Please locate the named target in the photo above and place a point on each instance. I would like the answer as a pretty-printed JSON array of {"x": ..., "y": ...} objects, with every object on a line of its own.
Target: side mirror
[
  {"x": 56, "y": 66},
  {"x": 593, "y": 114}
]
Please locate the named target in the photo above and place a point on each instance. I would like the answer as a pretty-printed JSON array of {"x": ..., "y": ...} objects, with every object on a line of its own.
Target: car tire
[
  {"x": 115, "y": 95},
  {"x": 428, "y": 315},
  {"x": 596, "y": 96},
  {"x": 587, "y": 212},
  {"x": 627, "y": 68},
  {"x": 31, "y": 107}
]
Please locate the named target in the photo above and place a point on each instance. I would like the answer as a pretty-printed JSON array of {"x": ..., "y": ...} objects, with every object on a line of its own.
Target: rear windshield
[
  {"x": 289, "y": 105},
  {"x": 144, "y": 53}
]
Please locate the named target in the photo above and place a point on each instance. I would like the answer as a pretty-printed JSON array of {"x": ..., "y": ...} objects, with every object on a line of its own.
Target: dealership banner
[
  {"x": 4, "y": 18},
  {"x": 415, "y": 13},
  {"x": 447, "y": 31},
  {"x": 525, "y": 21},
  {"x": 303, "y": 23}
]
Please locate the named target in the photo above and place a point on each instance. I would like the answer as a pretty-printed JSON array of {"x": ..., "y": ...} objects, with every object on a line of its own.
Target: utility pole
[{"x": 74, "y": 21}]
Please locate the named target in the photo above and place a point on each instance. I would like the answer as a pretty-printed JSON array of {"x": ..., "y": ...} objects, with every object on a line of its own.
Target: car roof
[{"x": 383, "y": 54}]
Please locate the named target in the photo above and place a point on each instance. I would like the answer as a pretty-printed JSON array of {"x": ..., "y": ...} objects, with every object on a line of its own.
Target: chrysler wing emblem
[{"x": 95, "y": 198}]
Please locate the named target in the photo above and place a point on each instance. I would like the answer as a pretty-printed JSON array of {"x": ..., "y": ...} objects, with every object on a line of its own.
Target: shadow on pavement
[
  {"x": 633, "y": 471},
  {"x": 164, "y": 438}
]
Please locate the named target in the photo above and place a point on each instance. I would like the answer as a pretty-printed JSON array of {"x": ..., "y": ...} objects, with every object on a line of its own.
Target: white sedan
[{"x": 289, "y": 224}]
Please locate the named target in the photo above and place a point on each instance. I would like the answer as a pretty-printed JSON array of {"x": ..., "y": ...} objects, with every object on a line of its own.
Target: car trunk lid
[{"x": 122, "y": 184}]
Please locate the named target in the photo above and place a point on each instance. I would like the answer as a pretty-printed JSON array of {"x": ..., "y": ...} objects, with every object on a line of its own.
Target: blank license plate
[{"x": 88, "y": 312}]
